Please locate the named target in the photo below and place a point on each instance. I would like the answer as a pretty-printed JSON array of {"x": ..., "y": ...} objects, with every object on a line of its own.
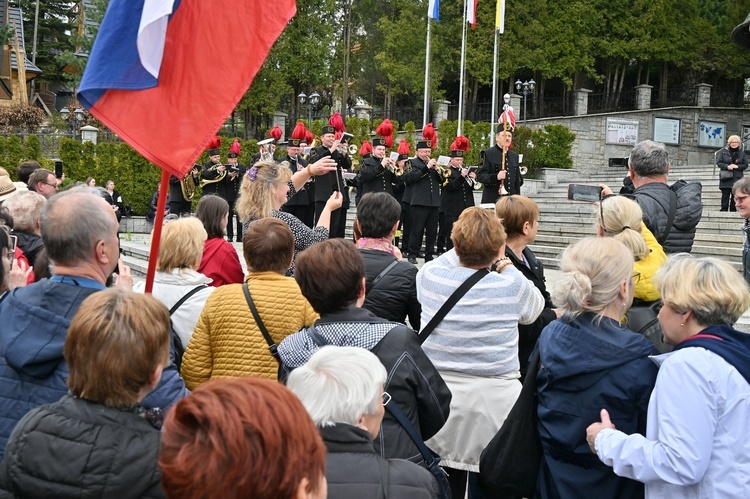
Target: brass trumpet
[
  {"x": 352, "y": 150},
  {"x": 523, "y": 170}
]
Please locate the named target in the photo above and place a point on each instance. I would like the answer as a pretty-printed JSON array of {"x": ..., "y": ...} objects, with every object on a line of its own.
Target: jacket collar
[
  {"x": 343, "y": 437},
  {"x": 350, "y": 314}
]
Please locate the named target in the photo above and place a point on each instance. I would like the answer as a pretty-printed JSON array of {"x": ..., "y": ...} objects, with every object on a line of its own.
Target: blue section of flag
[
  {"x": 433, "y": 10},
  {"x": 114, "y": 62}
]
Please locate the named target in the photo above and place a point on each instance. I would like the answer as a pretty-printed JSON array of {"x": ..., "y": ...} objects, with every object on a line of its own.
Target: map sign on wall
[
  {"x": 712, "y": 134},
  {"x": 667, "y": 130},
  {"x": 622, "y": 132}
]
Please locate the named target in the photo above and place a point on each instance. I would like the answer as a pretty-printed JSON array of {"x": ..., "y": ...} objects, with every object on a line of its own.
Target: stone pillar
[
  {"x": 89, "y": 134},
  {"x": 440, "y": 110},
  {"x": 703, "y": 95},
  {"x": 279, "y": 119},
  {"x": 643, "y": 96},
  {"x": 362, "y": 111},
  {"x": 516, "y": 102},
  {"x": 581, "y": 106}
]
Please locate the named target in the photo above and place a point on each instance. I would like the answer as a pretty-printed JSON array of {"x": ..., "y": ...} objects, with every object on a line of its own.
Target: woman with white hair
[
  {"x": 696, "y": 445},
  {"x": 732, "y": 163},
  {"x": 342, "y": 389}
]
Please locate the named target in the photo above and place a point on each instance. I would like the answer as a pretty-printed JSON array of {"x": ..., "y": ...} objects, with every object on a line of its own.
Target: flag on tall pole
[
  {"x": 152, "y": 76},
  {"x": 433, "y": 10},
  {"x": 500, "y": 16},
  {"x": 471, "y": 13}
]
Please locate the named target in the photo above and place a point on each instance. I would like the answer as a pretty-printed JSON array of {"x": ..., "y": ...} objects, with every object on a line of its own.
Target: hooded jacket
[
  {"x": 585, "y": 368},
  {"x": 395, "y": 295},
  {"x": 654, "y": 199},
  {"x": 221, "y": 263},
  {"x": 33, "y": 371}
]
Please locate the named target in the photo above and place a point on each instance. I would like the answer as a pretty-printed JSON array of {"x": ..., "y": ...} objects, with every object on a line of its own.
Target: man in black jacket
[
  {"x": 299, "y": 205},
  {"x": 333, "y": 181},
  {"x": 376, "y": 173},
  {"x": 458, "y": 194},
  {"x": 491, "y": 172},
  {"x": 425, "y": 180},
  {"x": 177, "y": 202}
]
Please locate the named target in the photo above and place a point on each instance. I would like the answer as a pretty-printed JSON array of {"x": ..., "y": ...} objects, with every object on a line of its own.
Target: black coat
[
  {"x": 374, "y": 177},
  {"x": 457, "y": 194},
  {"x": 326, "y": 184},
  {"x": 222, "y": 188},
  {"x": 425, "y": 183},
  {"x": 491, "y": 161},
  {"x": 724, "y": 160},
  {"x": 529, "y": 333},
  {"x": 31, "y": 244},
  {"x": 301, "y": 197},
  {"x": 353, "y": 469},
  {"x": 395, "y": 296},
  {"x": 76, "y": 448}
]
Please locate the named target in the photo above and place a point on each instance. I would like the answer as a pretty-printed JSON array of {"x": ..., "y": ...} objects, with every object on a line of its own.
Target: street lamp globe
[
  {"x": 65, "y": 112},
  {"x": 519, "y": 84},
  {"x": 78, "y": 113},
  {"x": 302, "y": 98},
  {"x": 532, "y": 84},
  {"x": 314, "y": 99}
]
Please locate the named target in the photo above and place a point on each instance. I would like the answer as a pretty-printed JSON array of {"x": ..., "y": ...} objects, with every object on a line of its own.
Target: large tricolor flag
[
  {"x": 165, "y": 74},
  {"x": 471, "y": 12},
  {"x": 433, "y": 10}
]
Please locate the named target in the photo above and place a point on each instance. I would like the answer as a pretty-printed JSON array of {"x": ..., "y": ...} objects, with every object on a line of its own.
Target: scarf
[{"x": 379, "y": 244}]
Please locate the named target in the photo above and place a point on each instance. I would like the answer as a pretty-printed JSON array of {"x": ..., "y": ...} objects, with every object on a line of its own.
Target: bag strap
[
  {"x": 271, "y": 345},
  {"x": 451, "y": 302},
  {"x": 382, "y": 274},
  {"x": 384, "y": 478},
  {"x": 185, "y": 298},
  {"x": 411, "y": 431},
  {"x": 670, "y": 215},
  {"x": 317, "y": 338}
]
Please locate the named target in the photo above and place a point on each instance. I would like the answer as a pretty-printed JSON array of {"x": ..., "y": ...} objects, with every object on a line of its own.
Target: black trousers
[
  {"x": 338, "y": 219},
  {"x": 230, "y": 225},
  {"x": 727, "y": 200},
  {"x": 239, "y": 227},
  {"x": 424, "y": 222},
  {"x": 179, "y": 207},
  {"x": 444, "y": 242},
  {"x": 405, "y": 227}
]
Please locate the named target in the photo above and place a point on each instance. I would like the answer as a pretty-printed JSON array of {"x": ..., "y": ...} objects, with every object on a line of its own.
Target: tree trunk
[
  {"x": 638, "y": 77},
  {"x": 663, "y": 83},
  {"x": 619, "y": 87},
  {"x": 608, "y": 84},
  {"x": 473, "y": 104}
]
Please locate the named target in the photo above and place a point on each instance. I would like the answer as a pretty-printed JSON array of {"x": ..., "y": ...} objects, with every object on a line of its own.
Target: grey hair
[
  {"x": 73, "y": 222},
  {"x": 742, "y": 185},
  {"x": 649, "y": 159},
  {"x": 339, "y": 385},
  {"x": 25, "y": 207}
]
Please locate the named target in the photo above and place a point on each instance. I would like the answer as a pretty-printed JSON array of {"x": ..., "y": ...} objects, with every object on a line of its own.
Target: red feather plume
[
  {"x": 366, "y": 148},
  {"x": 309, "y": 137},
  {"x": 429, "y": 133},
  {"x": 214, "y": 143},
  {"x": 299, "y": 132},
  {"x": 404, "y": 147},
  {"x": 460, "y": 144},
  {"x": 276, "y": 133},
  {"x": 337, "y": 122},
  {"x": 338, "y": 134},
  {"x": 385, "y": 129},
  {"x": 235, "y": 147}
]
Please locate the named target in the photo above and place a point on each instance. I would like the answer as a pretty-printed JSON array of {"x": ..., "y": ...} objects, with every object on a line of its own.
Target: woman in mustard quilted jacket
[{"x": 227, "y": 341}]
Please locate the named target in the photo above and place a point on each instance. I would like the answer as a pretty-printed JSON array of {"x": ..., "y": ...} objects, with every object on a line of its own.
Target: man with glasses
[
  {"x": 741, "y": 193},
  {"x": 79, "y": 230},
  {"x": 44, "y": 182}
]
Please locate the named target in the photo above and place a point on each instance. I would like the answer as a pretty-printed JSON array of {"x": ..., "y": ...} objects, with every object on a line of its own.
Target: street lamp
[
  {"x": 312, "y": 103},
  {"x": 525, "y": 88},
  {"x": 75, "y": 121}
]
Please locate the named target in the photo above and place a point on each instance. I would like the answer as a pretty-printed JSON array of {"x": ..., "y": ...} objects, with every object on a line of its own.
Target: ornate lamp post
[
  {"x": 74, "y": 121},
  {"x": 311, "y": 102},
  {"x": 525, "y": 88}
]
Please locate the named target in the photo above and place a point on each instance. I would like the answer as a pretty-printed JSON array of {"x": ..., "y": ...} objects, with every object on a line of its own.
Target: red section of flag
[{"x": 212, "y": 53}]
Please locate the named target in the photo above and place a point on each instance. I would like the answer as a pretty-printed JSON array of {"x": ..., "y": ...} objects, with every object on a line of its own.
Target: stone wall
[{"x": 591, "y": 153}]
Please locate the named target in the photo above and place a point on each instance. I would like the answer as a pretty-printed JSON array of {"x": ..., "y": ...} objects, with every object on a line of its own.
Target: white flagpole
[
  {"x": 494, "y": 91},
  {"x": 461, "y": 79},
  {"x": 425, "y": 113}
]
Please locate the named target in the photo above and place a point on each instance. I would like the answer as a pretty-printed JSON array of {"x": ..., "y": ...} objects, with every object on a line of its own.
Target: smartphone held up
[{"x": 584, "y": 192}]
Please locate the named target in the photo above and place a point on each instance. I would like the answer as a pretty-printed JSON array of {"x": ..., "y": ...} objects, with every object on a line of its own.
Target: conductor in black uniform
[
  {"x": 458, "y": 194},
  {"x": 299, "y": 204},
  {"x": 491, "y": 173},
  {"x": 376, "y": 173},
  {"x": 176, "y": 201},
  {"x": 235, "y": 172},
  {"x": 425, "y": 180},
  {"x": 326, "y": 184},
  {"x": 217, "y": 181}
]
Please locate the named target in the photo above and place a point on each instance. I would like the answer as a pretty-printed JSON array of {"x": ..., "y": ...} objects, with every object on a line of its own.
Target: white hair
[
  {"x": 26, "y": 209},
  {"x": 339, "y": 384}
]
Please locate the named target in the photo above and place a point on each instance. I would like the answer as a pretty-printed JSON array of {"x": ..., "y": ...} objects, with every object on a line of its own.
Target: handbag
[
  {"x": 431, "y": 459},
  {"x": 726, "y": 175},
  {"x": 177, "y": 347},
  {"x": 644, "y": 320},
  {"x": 509, "y": 465}
]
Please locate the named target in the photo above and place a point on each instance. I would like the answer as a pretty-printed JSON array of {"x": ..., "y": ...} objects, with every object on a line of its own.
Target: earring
[{"x": 682, "y": 324}]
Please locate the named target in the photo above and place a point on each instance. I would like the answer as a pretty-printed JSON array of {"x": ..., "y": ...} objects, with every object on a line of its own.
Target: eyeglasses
[
  {"x": 636, "y": 277},
  {"x": 51, "y": 185},
  {"x": 386, "y": 398},
  {"x": 740, "y": 199}
]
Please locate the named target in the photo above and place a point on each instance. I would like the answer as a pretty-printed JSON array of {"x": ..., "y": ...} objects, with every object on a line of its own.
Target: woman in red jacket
[{"x": 220, "y": 261}]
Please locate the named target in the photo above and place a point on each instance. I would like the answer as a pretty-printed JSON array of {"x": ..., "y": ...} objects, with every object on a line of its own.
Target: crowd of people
[{"x": 337, "y": 368}]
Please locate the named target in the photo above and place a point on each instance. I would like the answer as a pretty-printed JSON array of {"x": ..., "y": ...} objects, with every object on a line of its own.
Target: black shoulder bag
[
  {"x": 177, "y": 347},
  {"x": 451, "y": 302},
  {"x": 272, "y": 347},
  {"x": 510, "y": 463}
]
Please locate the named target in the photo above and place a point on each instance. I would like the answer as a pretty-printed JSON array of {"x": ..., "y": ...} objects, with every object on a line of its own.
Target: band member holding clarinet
[{"x": 499, "y": 166}]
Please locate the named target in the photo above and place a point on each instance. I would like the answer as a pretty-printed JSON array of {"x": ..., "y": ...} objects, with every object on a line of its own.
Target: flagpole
[
  {"x": 461, "y": 79},
  {"x": 494, "y": 91},
  {"x": 161, "y": 206},
  {"x": 426, "y": 77}
]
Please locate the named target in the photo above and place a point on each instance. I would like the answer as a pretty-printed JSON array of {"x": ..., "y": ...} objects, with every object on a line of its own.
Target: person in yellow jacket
[{"x": 227, "y": 341}]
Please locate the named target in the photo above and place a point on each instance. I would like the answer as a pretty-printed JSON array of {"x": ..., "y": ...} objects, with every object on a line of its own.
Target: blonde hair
[
  {"x": 708, "y": 287},
  {"x": 622, "y": 221},
  {"x": 182, "y": 242},
  {"x": 477, "y": 237},
  {"x": 515, "y": 211},
  {"x": 256, "y": 196},
  {"x": 593, "y": 269},
  {"x": 734, "y": 137}
]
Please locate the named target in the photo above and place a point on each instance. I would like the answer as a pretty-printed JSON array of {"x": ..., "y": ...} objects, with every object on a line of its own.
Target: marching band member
[
  {"x": 458, "y": 192},
  {"x": 235, "y": 170},
  {"x": 299, "y": 204},
  {"x": 499, "y": 181},
  {"x": 378, "y": 172}
]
